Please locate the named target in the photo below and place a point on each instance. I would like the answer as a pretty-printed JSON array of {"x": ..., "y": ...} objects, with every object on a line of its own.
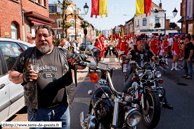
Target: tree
[
  {"x": 97, "y": 32},
  {"x": 64, "y": 24}
]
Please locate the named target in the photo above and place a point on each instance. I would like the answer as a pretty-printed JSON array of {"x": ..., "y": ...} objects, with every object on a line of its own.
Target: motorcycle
[
  {"x": 108, "y": 108},
  {"x": 146, "y": 89}
]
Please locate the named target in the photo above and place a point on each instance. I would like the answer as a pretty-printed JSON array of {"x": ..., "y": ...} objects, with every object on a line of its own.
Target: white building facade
[{"x": 106, "y": 33}]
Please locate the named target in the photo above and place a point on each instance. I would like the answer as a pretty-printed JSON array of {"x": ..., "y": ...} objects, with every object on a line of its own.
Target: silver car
[{"x": 11, "y": 95}]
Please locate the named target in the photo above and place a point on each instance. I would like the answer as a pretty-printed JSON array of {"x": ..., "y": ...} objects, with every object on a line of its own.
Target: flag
[
  {"x": 111, "y": 36},
  {"x": 119, "y": 35},
  {"x": 99, "y": 35},
  {"x": 139, "y": 7},
  {"x": 95, "y": 8},
  {"x": 147, "y": 7},
  {"x": 103, "y": 8}
]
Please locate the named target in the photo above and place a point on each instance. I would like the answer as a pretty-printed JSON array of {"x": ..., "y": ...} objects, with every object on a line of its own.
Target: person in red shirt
[
  {"x": 165, "y": 49},
  {"x": 99, "y": 45},
  {"x": 176, "y": 52},
  {"x": 158, "y": 43},
  {"x": 124, "y": 46},
  {"x": 119, "y": 48},
  {"x": 153, "y": 46}
]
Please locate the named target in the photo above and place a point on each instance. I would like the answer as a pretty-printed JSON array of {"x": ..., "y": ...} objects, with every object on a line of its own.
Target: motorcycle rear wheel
[{"x": 151, "y": 113}]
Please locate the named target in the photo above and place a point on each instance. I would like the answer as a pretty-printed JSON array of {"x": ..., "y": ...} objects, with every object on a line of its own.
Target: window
[
  {"x": 156, "y": 20},
  {"x": 72, "y": 22},
  {"x": 59, "y": 23},
  {"x": 11, "y": 51},
  {"x": 144, "y": 21},
  {"x": 52, "y": 9},
  {"x": 71, "y": 9},
  {"x": 13, "y": 30},
  {"x": 24, "y": 46}
]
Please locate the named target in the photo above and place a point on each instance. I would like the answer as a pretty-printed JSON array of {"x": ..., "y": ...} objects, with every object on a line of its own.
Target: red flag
[
  {"x": 147, "y": 7},
  {"x": 95, "y": 8}
]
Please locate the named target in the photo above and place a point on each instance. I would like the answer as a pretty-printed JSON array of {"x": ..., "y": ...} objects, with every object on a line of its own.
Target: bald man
[{"x": 31, "y": 38}]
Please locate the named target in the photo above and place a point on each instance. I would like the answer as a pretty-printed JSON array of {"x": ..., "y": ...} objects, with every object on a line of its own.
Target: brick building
[
  {"x": 20, "y": 17},
  {"x": 186, "y": 9},
  {"x": 71, "y": 31},
  {"x": 129, "y": 27}
]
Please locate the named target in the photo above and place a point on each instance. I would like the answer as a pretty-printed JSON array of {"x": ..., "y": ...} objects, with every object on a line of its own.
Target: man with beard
[
  {"x": 135, "y": 55},
  {"x": 48, "y": 96}
]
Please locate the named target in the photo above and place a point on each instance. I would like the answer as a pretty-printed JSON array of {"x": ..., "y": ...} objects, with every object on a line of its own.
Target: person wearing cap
[
  {"x": 165, "y": 49},
  {"x": 175, "y": 52},
  {"x": 188, "y": 56},
  {"x": 99, "y": 45},
  {"x": 153, "y": 45},
  {"x": 158, "y": 42}
]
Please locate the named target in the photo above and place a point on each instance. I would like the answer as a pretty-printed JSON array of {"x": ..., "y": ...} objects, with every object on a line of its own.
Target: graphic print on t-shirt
[{"x": 48, "y": 73}]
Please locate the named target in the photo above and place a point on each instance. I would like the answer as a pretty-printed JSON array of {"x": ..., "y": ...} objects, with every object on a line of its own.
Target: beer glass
[{"x": 35, "y": 67}]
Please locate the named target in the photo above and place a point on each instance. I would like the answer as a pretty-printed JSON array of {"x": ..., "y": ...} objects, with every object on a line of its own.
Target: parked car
[
  {"x": 83, "y": 46},
  {"x": 12, "y": 95}
]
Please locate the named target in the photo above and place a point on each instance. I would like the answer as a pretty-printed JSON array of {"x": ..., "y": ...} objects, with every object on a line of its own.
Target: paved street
[{"x": 179, "y": 94}]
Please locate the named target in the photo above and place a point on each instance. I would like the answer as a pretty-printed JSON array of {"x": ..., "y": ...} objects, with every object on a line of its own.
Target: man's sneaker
[
  {"x": 184, "y": 76},
  {"x": 188, "y": 77}
]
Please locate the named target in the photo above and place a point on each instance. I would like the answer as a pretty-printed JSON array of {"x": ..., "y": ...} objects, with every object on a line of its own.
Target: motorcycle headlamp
[
  {"x": 133, "y": 117},
  {"x": 158, "y": 74},
  {"x": 149, "y": 73},
  {"x": 140, "y": 73}
]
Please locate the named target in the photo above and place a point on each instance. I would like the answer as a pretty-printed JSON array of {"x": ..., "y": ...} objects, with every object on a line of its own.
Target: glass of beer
[{"x": 35, "y": 67}]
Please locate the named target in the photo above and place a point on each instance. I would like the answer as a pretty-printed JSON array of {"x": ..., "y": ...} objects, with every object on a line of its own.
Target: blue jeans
[
  {"x": 129, "y": 80},
  {"x": 188, "y": 68},
  {"x": 59, "y": 113}
]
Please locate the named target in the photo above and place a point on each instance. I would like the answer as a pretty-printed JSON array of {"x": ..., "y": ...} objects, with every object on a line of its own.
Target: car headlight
[
  {"x": 140, "y": 73},
  {"x": 149, "y": 73},
  {"x": 133, "y": 117},
  {"x": 158, "y": 74}
]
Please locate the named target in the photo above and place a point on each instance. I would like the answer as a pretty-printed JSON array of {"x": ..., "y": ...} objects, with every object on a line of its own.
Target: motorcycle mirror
[
  {"x": 92, "y": 51},
  {"x": 94, "y": 77},
  {"x": 90, "y": 92}
]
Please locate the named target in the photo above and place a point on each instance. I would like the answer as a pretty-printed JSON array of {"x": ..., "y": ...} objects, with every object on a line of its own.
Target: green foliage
[
  {"x": 173, "y": 25},
  {"x": 66, "y": 24},
  {"x": 57, "y": 42},
  {"x": 84, "y": 24},
  {"x": 157, "y": 25},
  {"x": 97, "y": 32}
]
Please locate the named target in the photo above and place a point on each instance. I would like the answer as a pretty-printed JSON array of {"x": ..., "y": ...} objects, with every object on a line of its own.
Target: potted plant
[
  {"x": 173, "y": 25},
  {"x": 84, "y": 25},
  {"x": 157, "y": 25},
  {"x": 67, "y": 25}
]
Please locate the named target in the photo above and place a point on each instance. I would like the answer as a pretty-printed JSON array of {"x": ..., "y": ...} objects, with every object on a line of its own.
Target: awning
[
  {"x": 39, "y": 17},
  {"x": 36, "y": 21},
  {"x": 182, "y": 19}
]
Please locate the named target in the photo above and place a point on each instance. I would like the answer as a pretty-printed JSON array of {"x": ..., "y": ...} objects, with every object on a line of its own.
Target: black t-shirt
[
  {"x": 136, "y": 55},
  {"x": 51, "y": 83},
  {"x": 188, "y": 47}
]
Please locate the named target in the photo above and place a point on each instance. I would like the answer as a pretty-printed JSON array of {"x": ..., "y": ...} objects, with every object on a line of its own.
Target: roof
[
  {"x": 129, "y": 20},
  {"x": 181, "y": 20},
  {"x": 155, "y": 5}
]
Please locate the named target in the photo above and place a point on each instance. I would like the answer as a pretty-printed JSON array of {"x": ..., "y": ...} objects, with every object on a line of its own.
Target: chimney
[{"x": 160, "y": 5}]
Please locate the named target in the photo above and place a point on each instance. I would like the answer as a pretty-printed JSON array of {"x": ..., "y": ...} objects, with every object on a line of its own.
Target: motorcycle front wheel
[{"x": 151, "y": 112}]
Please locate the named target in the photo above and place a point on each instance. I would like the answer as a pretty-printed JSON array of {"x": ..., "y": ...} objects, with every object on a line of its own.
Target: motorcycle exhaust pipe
[{"x": 82, "y": 120}]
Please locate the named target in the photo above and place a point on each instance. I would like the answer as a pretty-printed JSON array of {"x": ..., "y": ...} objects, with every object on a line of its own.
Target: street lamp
[
  {"x": 86, "y": 11},
  {"x": 156, "y": 15},
  {"x": 174, "y": 12}
]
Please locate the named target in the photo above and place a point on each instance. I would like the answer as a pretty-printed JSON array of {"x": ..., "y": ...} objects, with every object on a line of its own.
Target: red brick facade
[{"x": 11, "y": 12}]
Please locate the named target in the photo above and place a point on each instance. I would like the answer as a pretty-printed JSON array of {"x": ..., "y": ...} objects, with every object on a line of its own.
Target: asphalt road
[{"x": 179, "y": 93}]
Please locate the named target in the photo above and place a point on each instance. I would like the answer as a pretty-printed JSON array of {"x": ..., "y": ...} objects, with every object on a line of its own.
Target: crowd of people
[{"x": 178, "y": 47}]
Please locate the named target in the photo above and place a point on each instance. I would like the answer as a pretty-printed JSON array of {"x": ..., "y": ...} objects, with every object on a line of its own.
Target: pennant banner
[
  {"x": 95, "y": 8},
  {"x": 103, "y": 8},
  {"x": 139, "y": 7},
  {"x": 147, "y": 7}
]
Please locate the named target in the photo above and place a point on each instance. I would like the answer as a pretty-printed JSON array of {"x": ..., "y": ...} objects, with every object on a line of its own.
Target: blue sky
[{"x": 117, "y": 9}]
